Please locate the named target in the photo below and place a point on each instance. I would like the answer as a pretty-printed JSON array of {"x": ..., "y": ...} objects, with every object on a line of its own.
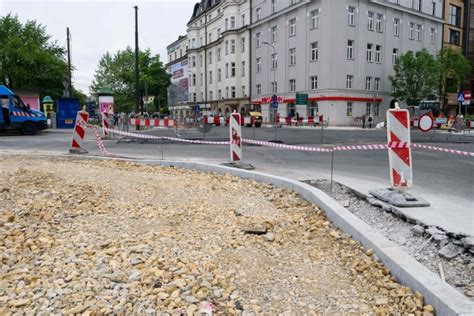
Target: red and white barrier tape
[
  {"x": 145, "y": 136},
  {"x": 446, "y": 150},
  {"x": 100, "y": 143},
  {"x": 102, "y": 148}
]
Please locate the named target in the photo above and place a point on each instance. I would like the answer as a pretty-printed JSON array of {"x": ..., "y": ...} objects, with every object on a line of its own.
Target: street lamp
[{"x": 274, "y": 80}]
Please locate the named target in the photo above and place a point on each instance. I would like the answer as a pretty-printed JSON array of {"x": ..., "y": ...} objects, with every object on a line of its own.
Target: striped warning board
[
  {"x": 398, "y": 130},
  {"x": 235, "y": 138},
  {"x": 79, "y": 132}
]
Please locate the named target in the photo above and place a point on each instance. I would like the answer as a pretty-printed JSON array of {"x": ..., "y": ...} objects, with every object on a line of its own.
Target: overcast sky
[{"x": 98, "y": 26}]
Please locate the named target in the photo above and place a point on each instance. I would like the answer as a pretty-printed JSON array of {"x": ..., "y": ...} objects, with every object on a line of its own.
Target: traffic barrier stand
[
  {"x": 106, "y": 123},
  {"x": 236, "y": 138},
  {"x": 165, "y": 123},
  {"x": 79, "y": 133}
]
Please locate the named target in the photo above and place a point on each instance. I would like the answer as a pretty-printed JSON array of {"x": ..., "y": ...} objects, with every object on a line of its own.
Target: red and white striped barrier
[
  {"x": 283, "y": 121},
  {"x": 214, "y": 120},
  {"x": 79, "y": 133},
  {"x": 235, "y": 137},
  {"x": 398, "y": 130},
  {"x": 100, "y": 143},
  {"x": 105, "y": 124},
  {"x": 153, "y": 122}
]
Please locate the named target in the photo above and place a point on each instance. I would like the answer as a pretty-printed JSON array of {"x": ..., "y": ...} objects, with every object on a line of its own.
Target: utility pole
[
  {"x": 137, "y": 71},
  {"x": 69, "y": 63}
]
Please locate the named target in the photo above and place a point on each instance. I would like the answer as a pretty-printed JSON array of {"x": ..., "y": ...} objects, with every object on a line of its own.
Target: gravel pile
[
  {"x": 89, "y": 237},
  {"x": 446, "y": 255}
]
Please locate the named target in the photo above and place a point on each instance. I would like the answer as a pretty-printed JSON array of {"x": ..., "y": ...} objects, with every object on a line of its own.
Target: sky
[{"x": 98, "y": 26}]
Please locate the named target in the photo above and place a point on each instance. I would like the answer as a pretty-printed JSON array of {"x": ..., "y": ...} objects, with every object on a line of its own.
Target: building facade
[
  {"x": 469, "y": 49},
  {"x": 218, "y": 56},
  {"x": 340, "y": 53},
  {"x": 178, "y": 69}
]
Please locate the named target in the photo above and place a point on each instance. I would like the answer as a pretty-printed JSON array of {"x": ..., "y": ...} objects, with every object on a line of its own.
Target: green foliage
[
  {"x": 29, "y": 60},
  {"x": 118, "y": 72},
  {"x": 455, "y": 69},
  {"x": 416, "y": 76}
]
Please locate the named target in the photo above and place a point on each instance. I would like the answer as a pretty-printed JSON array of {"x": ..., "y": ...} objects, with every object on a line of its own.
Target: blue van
[{"x": 16, "y": 115}]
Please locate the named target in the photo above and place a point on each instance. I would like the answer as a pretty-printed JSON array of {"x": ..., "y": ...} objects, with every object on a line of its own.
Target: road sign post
[{"x": 461, "y": 100}]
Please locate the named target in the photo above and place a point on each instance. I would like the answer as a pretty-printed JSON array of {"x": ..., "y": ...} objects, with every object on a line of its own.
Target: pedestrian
[
  {"x": 363, "y": 121},
  {"x": 370, "y": 120},
  {"x": 297, "y": 118}
]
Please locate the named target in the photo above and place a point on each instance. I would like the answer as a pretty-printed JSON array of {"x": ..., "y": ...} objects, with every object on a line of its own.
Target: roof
[
  {"x": 5, "y": 91},
  {"x": 202, "y": 7}
]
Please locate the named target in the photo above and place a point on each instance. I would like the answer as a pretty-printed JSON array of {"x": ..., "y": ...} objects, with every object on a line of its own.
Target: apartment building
[
  {"x": 218, "y": 56},
  {"x": 340, "y": 53},
  {"x": 178, "y": 69},
  {"x": 470, "y": 44}
]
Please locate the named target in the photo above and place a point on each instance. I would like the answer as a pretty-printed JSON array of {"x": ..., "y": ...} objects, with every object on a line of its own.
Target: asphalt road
[{"x": 445, "y": 180}]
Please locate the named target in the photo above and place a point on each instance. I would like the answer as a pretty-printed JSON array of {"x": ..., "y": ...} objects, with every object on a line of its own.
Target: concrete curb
[{"x": 445, "y": 299}]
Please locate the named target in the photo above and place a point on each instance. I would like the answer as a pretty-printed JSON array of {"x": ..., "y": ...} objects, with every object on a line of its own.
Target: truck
[{"x": 15, "y": 115}]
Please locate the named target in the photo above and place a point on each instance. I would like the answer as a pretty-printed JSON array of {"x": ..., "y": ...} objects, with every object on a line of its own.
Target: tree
[
  {"x": 29, "y": 60},
  {"x": 455, "y": 69},
  {"x": 118, "y": 72},
  {"x": 416, "y": 76}
]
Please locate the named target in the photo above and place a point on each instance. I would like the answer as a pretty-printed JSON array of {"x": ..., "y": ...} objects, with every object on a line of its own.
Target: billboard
[{"x": 178, "y": 90}]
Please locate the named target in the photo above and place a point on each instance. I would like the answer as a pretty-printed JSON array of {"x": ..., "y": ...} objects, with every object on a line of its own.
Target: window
[
  {"x": 377, "y": 109},
  {"x": 315, "y": 19},
  {"x": 274, "y": 61},
  {"x": 349, "y": 109},
  {"x": 292, "y": 27},
  {"x": 396, "y": 27},
  {"x": 378, "y": 54},
  {"x": 258, "y": 41},
  {"x": 210, "y": 58},
  {"x": 293, "y": 1},
  {"x": 219, "y": 33},
  {"x": 454, "y": 37},
  {"x": 350, "y": 49},
  {"x": 232, "y": 92},
  {"x": 378, "y": 23},
  {"x": 292, "y": 85},
  {"x": 210, "y": 76},
  {"x": 432, "y": 35},
  {"x": 243, "y": 20},
  {"x": 211, "y": 95},
  {"x": 412, "y": 31},
  {"x": 368, "y": 109},
  {"x": 232, "y": 22},
  {"x": 242, "y": 45},
  {"x": 433, "y": 12},
  {"x": 349, "y": 79},
  {"x": 232, "y": 70},
  {"x": 259, "y": 65},
  {"x": 210, "y": 37},
  {"x": 258, "y": 14},
  {"x": 418, "y": 5},
  {"x": 194, "y": 97},
  {"x": 314, "y": 51},
  {"x": 368, "y": 83},
  {"x": 243, "y": 91},
  {"x": 232, "y": 46},
  {"x": 226, "y": 92},
  {"x": 274, "y": 6},
  {"x": 194, "y": 61},
  {"x": 313, "y": 82},
  {"x": 377, "y": 84},
  {"x": 259, "y": 89},
  {"x": 201, "y": 77},
  {"x": 226, "y": 48},
  {"x": 418, "y": 32},
  {"x": 370, "y": 21},
  {"x": 194, "y": 79},
  {"x": 292, "y": 56},
  {"x": 394, "y": 56},
  {"x": 227, "y": 70},
  {"x": 219, "y": 94},
  {"x": 219, "y": 75},
  {"x": 350, "y": 16},
  {"x": 274, "y": 34},
  {"x": 370, "y": 48},
  {"x": 243, "y": 69},
  {"x": 274, "y": 87},
  {"x": 454, "y": 15},
  {"x": 218, "y": 53}
]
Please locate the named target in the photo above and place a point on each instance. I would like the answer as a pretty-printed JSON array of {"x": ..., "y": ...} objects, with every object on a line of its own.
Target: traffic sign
[
  {"x": 301, "y": 99},
  {"x": 274, "y": 98},
  {"x": 197, "y": 109},
  {"x": 441, "y": 120},
  {"x": 461, "y": 97},
  {"x": 425, "y": 123},
  {"x": 467, "y": 97},
  {"x": 275, "y": 105}
]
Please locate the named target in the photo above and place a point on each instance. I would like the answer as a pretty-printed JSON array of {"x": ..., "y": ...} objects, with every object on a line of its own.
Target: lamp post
[{"x": 274, "y": 80}]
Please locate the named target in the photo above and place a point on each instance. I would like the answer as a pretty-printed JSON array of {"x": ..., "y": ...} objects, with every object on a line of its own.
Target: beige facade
[{"x": 218, "y": 40}]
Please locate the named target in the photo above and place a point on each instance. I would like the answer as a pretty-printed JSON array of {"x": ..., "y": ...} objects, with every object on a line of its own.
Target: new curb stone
[{"x": 445, "y": 299}]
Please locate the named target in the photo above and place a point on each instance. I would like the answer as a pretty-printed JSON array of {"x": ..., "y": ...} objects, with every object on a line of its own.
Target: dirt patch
[{"x": 88, "y": 237}]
